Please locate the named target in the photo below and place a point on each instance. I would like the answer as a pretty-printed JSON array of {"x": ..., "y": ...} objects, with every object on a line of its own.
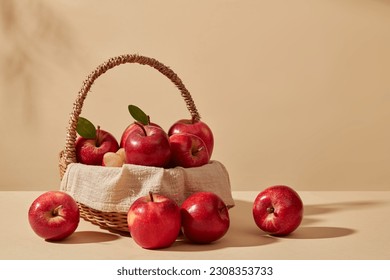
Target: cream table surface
[{"x": 337, "y": 225}]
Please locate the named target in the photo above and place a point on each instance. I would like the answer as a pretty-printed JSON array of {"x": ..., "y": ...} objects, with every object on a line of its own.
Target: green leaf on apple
[
  {"x": 138, "y": 114},
  {"x": 85, "y": 128}
]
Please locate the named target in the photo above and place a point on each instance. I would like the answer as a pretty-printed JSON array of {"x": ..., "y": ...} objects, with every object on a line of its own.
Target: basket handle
[{"x": 68, "y": 155}]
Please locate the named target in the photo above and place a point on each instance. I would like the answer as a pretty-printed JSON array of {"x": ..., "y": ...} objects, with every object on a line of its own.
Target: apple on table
[
  {"x": 278, "y": 210},
  {"x": 54, "y": 215},
  {"x": 205, "y": 217},
  {"x": 154, "y": 221}
]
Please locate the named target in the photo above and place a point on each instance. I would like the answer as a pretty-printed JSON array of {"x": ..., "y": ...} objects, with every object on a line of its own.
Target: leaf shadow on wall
[{"x": 34, "y": 38}]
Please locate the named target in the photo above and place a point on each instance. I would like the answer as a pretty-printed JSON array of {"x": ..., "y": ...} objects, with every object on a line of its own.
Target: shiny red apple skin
[
  {"x": 154, "y": 224},
  {"x": 128, "y": 131},
  {"x": 188, "y": 150},
  {"x": 199, "y": 128},
  {"x": 204, "y": 217},
  {"x": 54, "y": 215},
  {"x": 91, "y": 151},
  {"x": 278, "y": 210},
  {"x": 150, "y": 149}
]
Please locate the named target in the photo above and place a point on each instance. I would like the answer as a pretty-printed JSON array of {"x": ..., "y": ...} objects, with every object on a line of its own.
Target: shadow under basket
[{"x": 104, "y": 194}]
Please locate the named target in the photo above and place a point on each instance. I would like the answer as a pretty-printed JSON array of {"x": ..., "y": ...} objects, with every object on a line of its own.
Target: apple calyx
[
  {"x": 270, "y": 209},
  {"x": 55, "y": 211},
  {"x": 223, "y": 208},
  {"x": 194, "y": 152}
]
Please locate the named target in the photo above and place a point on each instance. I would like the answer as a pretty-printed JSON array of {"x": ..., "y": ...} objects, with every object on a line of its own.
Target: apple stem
[
  {"x": 56, "y": 210},
  {"x": 151, "y": 196},
  {"x": 193, "y": 120},
  {"x": 270, "y": 210},
  {"x": 142, "y": 127},
  {"x": 98, "y": 136}
]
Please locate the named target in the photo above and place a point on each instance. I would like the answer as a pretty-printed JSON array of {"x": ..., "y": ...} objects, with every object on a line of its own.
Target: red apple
[
  {"x": 188, "y": 150},
  {"x": 140, "y": 117},
  {"x": 148, "y": 145},
  {"x": 204, "y": 217},
  {"x": 154, "y": 221},
  {"x": 54, "y": 215},
  {"x": 199, "y": 128},
  {"x": 128, "y": 131},
  {"x": 91, "y": 150},
  {"x": 278, "y": 210}
]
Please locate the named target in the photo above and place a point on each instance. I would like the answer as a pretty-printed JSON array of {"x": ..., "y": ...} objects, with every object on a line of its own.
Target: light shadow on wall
[{"x": 34, "y": 38}]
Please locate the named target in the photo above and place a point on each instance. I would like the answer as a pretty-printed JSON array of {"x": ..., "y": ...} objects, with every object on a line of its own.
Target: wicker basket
[{"x": 115, "y": 221}]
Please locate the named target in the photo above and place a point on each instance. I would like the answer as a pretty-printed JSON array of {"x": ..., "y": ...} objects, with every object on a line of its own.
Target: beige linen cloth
[{"x": 114, "y": 189}]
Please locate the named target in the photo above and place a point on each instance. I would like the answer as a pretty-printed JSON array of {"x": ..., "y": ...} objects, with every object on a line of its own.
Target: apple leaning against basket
[
  {"x": 204, "y": 217},
  {"x": 154, "y": 221},
  {"x": 278, "y": 210}
]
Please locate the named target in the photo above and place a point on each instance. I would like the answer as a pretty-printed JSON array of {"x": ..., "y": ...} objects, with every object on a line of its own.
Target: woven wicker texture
[
  {"x": 68, "y": 155},
  {"x": 112, "y": 220}
]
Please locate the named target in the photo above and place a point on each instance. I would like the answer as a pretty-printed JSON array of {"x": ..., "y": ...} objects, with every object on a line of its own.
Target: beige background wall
[{"x": 296, "y": 92}]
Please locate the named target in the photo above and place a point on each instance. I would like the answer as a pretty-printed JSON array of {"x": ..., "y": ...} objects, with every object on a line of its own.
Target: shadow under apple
[
  {"x": 318, "y": 209},
  {"x": 243, "y": 232},
  {"x": 82, "y": 237},
  {"x": 319, "y": 233}
]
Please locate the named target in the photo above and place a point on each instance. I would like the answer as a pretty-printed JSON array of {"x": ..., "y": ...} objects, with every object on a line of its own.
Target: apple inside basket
[{"x": 106, "y": 182}]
